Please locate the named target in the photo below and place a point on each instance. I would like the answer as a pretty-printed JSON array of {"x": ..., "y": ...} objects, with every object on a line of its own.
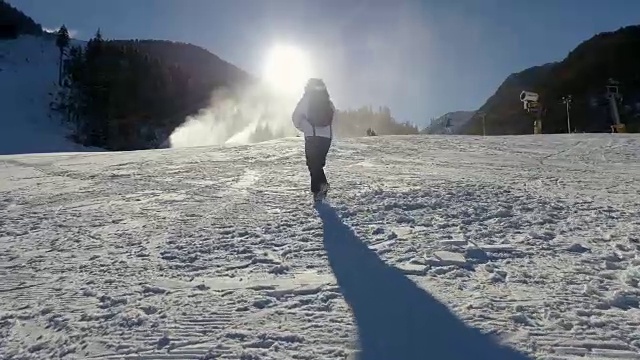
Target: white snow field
[
  {"x": 433, "y": 247},
  {"x": 28, "y": 79}
]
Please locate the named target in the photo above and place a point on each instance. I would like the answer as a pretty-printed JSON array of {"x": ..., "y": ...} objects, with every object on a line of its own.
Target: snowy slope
[
  {"x": 28, "y": 74},
  {"x": 217, "y": 253},
  {"x": 458, "y": 120}
]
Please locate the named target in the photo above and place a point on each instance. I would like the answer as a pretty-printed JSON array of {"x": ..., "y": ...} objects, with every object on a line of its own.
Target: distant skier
[
  {"x": 448, "y": 126},
  {"x": 314, "y": 117}
]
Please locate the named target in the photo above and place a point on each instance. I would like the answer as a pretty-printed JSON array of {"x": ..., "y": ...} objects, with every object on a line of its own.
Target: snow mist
[{"x": 254, "y": 115}]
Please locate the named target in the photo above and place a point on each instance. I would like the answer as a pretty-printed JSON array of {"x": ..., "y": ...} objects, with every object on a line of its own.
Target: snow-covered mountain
[
  {"x": 429, "y": 243},
  {"x": 457, "y": 119},
  {"x": 28, "y": 76}
]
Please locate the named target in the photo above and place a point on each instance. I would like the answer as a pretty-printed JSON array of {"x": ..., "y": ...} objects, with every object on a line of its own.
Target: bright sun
[{"x": 287, "y": 69}]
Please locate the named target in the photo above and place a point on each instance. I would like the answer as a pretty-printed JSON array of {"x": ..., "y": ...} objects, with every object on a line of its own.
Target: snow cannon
[
  {"x": 528, "y": 96},
  {"x": 528, "y": 99},
  {"x": 530, "y": 102}
]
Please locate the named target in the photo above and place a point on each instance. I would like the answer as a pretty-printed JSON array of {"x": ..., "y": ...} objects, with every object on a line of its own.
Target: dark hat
[{"x": 315, "y": 84}]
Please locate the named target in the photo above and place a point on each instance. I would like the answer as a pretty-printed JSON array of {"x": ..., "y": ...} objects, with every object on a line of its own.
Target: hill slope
[
  {"x": 28, "y": 75},
  {"x": 14, "y": 23},
  {"x": 118, "y": 95},
  {"x": 584, "y": 73},
  {"x": 457, "y": 120},
  {"x": 200, "y": 63},
  {"x": 184, "y": 253}
]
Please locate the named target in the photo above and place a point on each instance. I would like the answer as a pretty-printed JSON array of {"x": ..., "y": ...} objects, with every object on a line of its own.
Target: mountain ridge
[
  {"x": 584, "y": 74},
  {"x": 453, "y": 119}
]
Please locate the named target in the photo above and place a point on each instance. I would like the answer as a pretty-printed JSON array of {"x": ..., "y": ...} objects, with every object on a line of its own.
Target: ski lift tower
[
  {"x": 483, "y": 116},
  {"x": 613, "y": 95},
  {"x": 567, "y": 101},
  {"x": 530, "y": 101}
]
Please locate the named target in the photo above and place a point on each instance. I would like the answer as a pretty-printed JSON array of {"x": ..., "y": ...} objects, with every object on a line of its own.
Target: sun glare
[{"x": 286, "y": 69}]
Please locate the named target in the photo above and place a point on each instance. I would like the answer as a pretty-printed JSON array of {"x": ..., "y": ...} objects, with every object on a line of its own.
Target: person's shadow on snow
[{"x": 396, "y": 319}]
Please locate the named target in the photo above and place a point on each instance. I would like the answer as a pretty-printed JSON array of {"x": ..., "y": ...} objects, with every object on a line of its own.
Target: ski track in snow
[{"x": 218, "y": 253}]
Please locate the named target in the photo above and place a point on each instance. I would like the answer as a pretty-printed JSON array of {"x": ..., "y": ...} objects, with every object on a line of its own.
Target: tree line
[
  {"x": 14, "y": 22},
  {"x": 118, "y": 97},
  {"x": 370, "y": 122},
  {"x": 364, "y": 121}
]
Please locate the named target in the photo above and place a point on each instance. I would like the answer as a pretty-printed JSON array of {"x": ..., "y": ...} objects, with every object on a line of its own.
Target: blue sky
[{"x": 421, "y": 58}]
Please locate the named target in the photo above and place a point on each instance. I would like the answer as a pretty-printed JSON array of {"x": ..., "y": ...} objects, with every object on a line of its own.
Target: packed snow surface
[{"x": 430, "y": 248}]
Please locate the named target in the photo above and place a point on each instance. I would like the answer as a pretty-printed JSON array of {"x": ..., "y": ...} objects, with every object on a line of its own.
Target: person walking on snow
[{"x": 313, "y": 116}]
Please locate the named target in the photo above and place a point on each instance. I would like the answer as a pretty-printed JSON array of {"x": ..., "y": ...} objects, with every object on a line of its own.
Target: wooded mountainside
[
  {"x": 583, "y": 74},
  {"x": 14, "y": 22}
]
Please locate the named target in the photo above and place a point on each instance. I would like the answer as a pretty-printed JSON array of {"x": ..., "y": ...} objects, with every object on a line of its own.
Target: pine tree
[{"x": 62, "y": 42}]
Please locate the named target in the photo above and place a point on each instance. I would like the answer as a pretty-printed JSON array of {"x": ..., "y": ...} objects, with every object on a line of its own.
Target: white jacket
[{"x": 300, "y": 121}]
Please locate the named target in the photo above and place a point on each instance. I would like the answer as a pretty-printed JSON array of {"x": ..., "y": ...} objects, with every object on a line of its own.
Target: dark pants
[{"x": 316, "y": 149}]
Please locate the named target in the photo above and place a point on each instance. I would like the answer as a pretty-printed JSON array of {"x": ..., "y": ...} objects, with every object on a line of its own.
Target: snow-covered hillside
[
  {"x": 457, "y": 120},
  {"x": 28, "y": 75},
  {"x": 432, "y": 248}
]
